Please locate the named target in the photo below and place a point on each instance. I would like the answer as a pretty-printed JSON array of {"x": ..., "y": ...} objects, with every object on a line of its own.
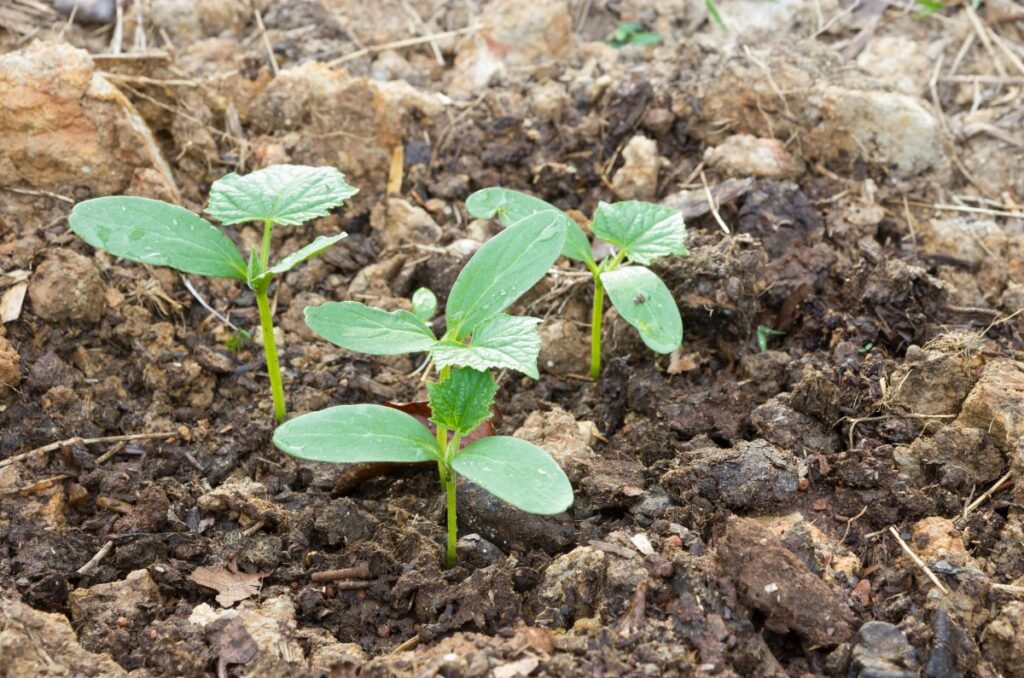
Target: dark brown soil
[{"x": 733, "y": 504}]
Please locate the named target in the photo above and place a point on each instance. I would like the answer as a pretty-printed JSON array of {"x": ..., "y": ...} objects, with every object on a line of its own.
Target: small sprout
[
  {"x": 158, "y": 233},
  {"x": 479, "y": 337},
  {"x": 866, "y": 348},
  {"x": 763, "y": 332},
  {"x": 237, "y": 341},
  {"x": 633, "y": 33},
  {"x": 424, "y": 304},
  {"x": 641, "y": 232}
]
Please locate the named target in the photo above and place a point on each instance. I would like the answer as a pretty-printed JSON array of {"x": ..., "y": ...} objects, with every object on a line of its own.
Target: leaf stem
[
  {"x": 270, "y": 351},
  {"x": 450, "y": 552},
  {"x": 268, "y": 227},
  {"x": 595, "y": 329}
]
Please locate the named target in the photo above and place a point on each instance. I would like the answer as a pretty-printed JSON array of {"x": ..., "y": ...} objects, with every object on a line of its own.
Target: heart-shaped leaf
[
  {"x": 644, "y": 230},
  {"x": 504, "y": 341},
  {"x": 645, "y": 302},
  {"x": 358, "y": 327},
  {"x": 510, "y": 206},
  {"x": 157, "y": 233},
  {"x": 504, "y": 268},
  {"x": 462, "y": 401},
  {"x": 283, "y": 194},
  {"x": 517, "y": 472},
  {"x": 349, "y": 434}
]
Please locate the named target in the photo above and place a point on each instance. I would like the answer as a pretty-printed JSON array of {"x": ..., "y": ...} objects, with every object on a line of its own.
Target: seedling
[
  {"x": 641, "y": 232},
  {"x": 633, "y": 33},
  {"x": 159, "y": 233},
  {"x": 479, "y": 336},
  {"x": 763, "y": 333}
]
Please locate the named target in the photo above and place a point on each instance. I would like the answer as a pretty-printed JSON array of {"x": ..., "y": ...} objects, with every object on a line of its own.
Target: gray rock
[{"x": 882, "y": 651}]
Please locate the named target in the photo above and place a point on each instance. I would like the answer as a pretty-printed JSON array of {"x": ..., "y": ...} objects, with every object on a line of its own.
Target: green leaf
[
  {"x": 349, "y": 434},
  {"x": 283, "y": 194},
  {"x": 713, "y": 13},
  {"x": 157, "y": 233},
  {"x": 503, "y": 341},
  {"x": 358, "y": 327},
  {"x": 504, "y": 268},
  {"x": 645, "y": 303},
  {"x": 511, "y": 206},
  {"x": 462, "y": 401},
  {"x": 645, "y": 38},
  {"x": 517, "y": 472},
  {"x": 424, "y": 304},
  {"x": 644, "y": 230},
  {"x": 321, "y": 244}
]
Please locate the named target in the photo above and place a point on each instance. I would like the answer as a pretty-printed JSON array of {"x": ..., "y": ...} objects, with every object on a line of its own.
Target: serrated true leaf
[
  {"x": 424, "y": 304},
  {"x": 644, "y": 301},
  {"x": 157, "y": 233},
  {"x": 504, "y": 341},
  {"x": 504, "y": 268},
  {"x": 358, "y": 327},
  {"x": 510, "y": 206},
  {"x": 462, "y": 401},
  {"x": 349, "y": 434},
  {"x": 517, "y": 472},
  {"x": 283, "y": 194},
  {"x": 644, "y": 230},
  {"x": 320, "y": 244}
]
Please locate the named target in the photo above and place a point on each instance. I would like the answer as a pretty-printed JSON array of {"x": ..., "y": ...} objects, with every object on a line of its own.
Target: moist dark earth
[{"x": 824, "y": 480}]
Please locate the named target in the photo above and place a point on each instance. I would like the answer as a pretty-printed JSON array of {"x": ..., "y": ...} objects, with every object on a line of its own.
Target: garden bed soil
[{"x": 743, "y": 507}]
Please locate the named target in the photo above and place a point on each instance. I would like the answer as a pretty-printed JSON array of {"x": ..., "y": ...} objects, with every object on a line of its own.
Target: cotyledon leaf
[
  {"x": 516, "y": 471},
  {"x": 283, "y": 194},
  {"x": 504, "y": 268},
  {"x": 358, "y": 327},
  {"x": 510, "y": 206},
  {"x": 645, "y": 302},
  {"x": 157, "y": 233},
  {"x": 349, "y": 434}
]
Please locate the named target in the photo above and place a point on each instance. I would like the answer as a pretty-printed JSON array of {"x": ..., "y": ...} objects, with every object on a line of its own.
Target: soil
[{"x": 740, "y": 509}]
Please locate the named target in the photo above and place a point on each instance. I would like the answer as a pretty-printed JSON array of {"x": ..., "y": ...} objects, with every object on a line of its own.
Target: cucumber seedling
[
  {"x": 161, "y": 234},
  {"x": 479, "y": 337},
  {"x": 640, "y": 232}
]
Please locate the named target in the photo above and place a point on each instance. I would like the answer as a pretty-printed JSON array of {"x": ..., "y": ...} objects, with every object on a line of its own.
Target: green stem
[
  {"x": 270, "y": 350},
  {"x": 595, "y": 329},
  {"x": 450, "y": 553},
  {"x": 268, "y": 227}
]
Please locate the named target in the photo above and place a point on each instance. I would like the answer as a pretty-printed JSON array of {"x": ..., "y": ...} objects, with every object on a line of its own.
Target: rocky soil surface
[{"x": 842, "y": 495}]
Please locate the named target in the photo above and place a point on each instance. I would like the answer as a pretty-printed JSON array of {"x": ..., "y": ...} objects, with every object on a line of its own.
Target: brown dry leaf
[{"x": 231, "y": 586}]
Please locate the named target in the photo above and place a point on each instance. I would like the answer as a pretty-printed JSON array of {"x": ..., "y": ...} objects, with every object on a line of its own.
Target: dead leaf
[
  {"x": 231, "y": 586},
  {"x": 520, "y": 667}
]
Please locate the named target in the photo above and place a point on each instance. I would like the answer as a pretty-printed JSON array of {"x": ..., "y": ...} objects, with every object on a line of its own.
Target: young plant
[
  {"x": 640, "y": 232},
  {"x": 478, "y": 337},
  {"x": 159, "y": 233}
]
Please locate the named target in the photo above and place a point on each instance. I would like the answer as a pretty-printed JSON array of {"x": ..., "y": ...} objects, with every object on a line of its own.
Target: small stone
[
  {"x": 9, "y": 362},
  {"x": 67, "y": 287},
  {"x": 571, "y": 586},
  {"x": 637, "y": 179},
  {"x": 936, "y": 538},
  {"x": 882, "y": 651},
  {"x": 743, "y": 155},
  {"x": 996, "y": 403},
  {"x": 399, "y": 222}
]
